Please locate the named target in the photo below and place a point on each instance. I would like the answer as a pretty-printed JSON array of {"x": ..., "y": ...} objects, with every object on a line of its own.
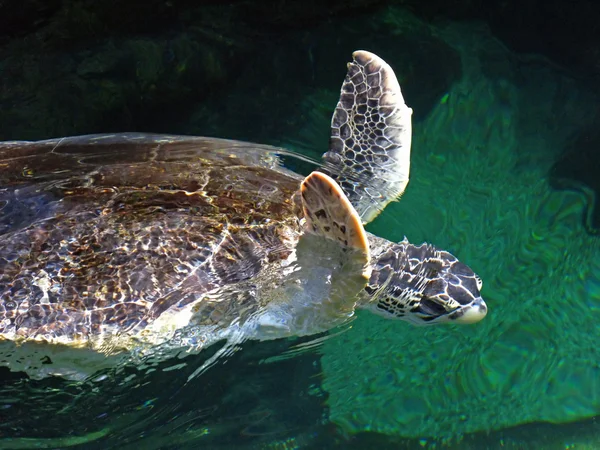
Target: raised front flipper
[{"x": 369, "y": 150}]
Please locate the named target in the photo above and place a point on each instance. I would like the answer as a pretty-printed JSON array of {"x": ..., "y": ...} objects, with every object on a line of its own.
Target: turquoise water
[{"x": 488, "y": 127}]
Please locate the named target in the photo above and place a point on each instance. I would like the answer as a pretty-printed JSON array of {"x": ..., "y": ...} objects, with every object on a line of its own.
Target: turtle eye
[
  {"x": 429, "y": 306},
  {"x": 479, "y": 282}
]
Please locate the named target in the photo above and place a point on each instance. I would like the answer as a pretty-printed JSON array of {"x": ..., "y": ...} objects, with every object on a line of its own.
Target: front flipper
[
  {"x": 335, "y": 237},
  {"x": 330, "y": 214},
  {"x": 369, "y": 149},
  {"x": 317, "y": 291}
]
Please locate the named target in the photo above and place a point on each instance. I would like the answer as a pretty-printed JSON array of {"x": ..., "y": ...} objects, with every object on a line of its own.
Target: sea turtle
[{"x": 114, "y": 243}]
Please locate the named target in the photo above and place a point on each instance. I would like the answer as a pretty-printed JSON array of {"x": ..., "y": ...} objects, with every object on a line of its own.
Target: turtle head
[{"x": 424, "y": 285}]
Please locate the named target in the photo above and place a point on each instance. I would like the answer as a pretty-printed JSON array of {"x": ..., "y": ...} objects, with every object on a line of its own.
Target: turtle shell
[{"x": 102, "y": 234}]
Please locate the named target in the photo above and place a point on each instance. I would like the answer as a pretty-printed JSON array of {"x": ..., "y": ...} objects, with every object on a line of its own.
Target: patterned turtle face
[{"x": 424, "y": 285}]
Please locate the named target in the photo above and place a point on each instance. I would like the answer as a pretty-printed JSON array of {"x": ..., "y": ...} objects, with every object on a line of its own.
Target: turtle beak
[{"x": 472, "y": 313}]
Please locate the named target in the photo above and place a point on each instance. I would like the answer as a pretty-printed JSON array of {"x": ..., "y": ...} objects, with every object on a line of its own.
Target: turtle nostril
[
  {"x": 482, "y": 307},
  {"x": 473, "y": 313}
]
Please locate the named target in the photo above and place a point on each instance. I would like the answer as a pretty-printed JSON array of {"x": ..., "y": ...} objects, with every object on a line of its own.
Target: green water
[{"x": 488, "y": 126}]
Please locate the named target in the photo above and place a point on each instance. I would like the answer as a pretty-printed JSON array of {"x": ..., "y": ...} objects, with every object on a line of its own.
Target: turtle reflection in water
[{"x": 112, "y": 243}]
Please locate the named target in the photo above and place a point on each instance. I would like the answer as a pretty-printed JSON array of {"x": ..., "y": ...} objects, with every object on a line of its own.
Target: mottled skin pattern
[{"x": 422, "y": 283}]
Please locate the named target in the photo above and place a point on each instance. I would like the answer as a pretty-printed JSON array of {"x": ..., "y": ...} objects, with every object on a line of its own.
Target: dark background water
[
  {"x": 243, "y": 70},
  {"x": 201, "y": 67}
]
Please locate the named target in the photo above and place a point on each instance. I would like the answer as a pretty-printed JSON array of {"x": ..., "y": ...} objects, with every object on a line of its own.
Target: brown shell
[{"x": 101, "y": 234}]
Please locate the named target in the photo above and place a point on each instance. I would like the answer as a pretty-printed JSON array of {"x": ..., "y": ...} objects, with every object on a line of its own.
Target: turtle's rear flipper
[{"x": 369, "y": 150}]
